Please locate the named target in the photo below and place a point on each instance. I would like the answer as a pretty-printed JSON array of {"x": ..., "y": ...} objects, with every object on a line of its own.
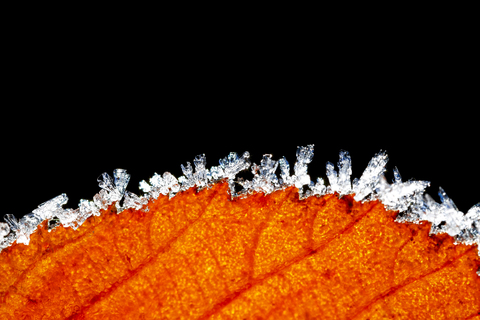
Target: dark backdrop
[{"x": 62, "y": 126}]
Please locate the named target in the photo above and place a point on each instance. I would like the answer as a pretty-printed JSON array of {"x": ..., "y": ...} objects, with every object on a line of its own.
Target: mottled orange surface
[{"x": 202, "y": 256}]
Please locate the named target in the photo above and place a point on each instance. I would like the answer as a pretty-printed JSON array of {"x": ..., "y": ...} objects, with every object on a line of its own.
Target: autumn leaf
[{"x": 203, "y": 255}]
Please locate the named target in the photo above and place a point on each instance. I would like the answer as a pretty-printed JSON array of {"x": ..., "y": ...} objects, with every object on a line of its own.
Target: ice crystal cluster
[{"x": 408, "y": 198}]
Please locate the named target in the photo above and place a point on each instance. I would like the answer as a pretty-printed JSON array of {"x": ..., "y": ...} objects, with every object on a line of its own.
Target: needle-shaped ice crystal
[
  {"x": 399, "y": 195},
  {"x": 201, "y": 172},
  {"x": 4, "y": 229},
  {"x": 319, "y": 188},
  {"x": 111, "y": 193},
  {"x": 101, "y": 199},
  {"x": 444, "y": 216},
  {"x": 199, "y": 178},
  {"x": 470, "y": 234},
  {"x": 166, "y": 185},
  {"x": 12, "y": 222},
  {"x": 49, "y": 208},
  {"x": 396, "y": 176},
  {"x": 121, "y": 179},
  {"x": 133, "y": 201},
  {"x": 264, "y": 179},
  {"x": 446, "y": 201},
  {"x": 473, "y": 216},
  {"x": 232, "y": 164},
  {"x": 114, "y": 189},
  {"x": 409, "y": 197},
  {"x": 86, "y": 209},
  {"x": 215, "y": 173},
  {"x": 187, "y": 181},
  {"x": 341, "y": 182},
  {"x": 23, "y": 228},
  {"x": 68, "y": 217},
  {"x": 15, "y": 233},
  {"x": 145, "y": 186},
  {"x": 28, "y": 224},
  {"x": 304, "y": 157},
  {"x": 286, "y": 180},
  {"x": 453, "y": 218},
  {"x": 370, "y": 177}
]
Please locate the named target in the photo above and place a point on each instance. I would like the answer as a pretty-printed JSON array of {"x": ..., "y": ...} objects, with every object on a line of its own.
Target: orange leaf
[{"x": 204, "y": 256}]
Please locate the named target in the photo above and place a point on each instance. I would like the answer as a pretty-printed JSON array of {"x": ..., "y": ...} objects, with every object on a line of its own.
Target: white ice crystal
[
  {"x": 447, "y": 218},
  {"x": 24, "y": 227},
  {"x": 187, "y": 181},
  {"x": 201, "y": 175},
  {"x": 319, "y": 188},
  {"x": 49, "y": 208},
  {"x": 199, "y": 178},
  {"x": 68, "y": 217},
  {"x": 4, "y": 229},
  {"x": 232, "y": 164},
  {"x": 285, "y": 179},
  {"x": 264, "y": 177},
  {"x": 131, "y": 200},
  {"x": 341, "y": 182},
  {"x": 121, "y": 179},
  {"x": 215, "y": 173},
  {"x": 166, "y": 185},
  {"x": 408, "y": 198},
  {"x": 304, "y": 157},
  {"x": 114, "y": 189},
  {"x": 370, "y": 177},
  {"x": 399, "y": 195}
]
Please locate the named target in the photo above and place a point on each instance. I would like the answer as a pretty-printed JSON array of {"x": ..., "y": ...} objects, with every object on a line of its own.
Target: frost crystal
[
  {"x": 201, "y": 173},
  {"x": 113, "y": 189},
  {"x": 341, "y": 182},
  {"x": 408, "y": 198},
  {"x": 449, "y": 214},
  {"x": 101, "y": 199},
  {"x": 304, "y": 157},
  {"x": 199, "y": 178},
  {"x": 232, "y": 164},
  {"x": 134, "y": 201},
  {"x": 215, "y": 173},
  {"x": 166, "y": 185},
  {"x": 23, "y": 228},
  {"x": 399, "y": 195},
  {"x": 286, "y": 179},
  {"x": 186, "y": 180},
  {"x": 49, "y": 208},
  {"x": 264, "y": 179},
  {"x": 121, "y": 180},
  {"x": 4, "y": 229},
  {"x": 319, "y": 188},
  {"x": 370, "y": 177},
  {"x": 68, "y": 217}
]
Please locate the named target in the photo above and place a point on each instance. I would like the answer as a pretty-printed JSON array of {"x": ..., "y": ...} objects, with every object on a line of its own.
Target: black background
[{"x": 69, "y": 116}]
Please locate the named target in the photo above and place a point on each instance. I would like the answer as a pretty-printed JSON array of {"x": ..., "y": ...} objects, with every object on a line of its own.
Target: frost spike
[
  {"x": 446, "y": 199},
  {"x": 121, "y": 179},
  {"x": 286, "y": 180},
  {"x": 371, "y": 176},
  {"x": 396, "y": 175},
  {"x": 4, "y": 229},
  {"x": 408, "y": 198},
  {"x": 304, "y": 157},
  {"x": 341, "y": 182},
  {"x": 264, "y": 179}
]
